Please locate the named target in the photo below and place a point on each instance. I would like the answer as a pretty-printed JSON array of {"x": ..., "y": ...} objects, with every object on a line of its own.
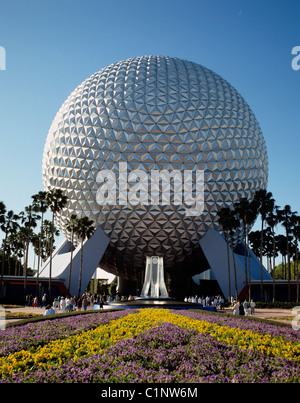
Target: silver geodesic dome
[{"x": 153, "y": 114}]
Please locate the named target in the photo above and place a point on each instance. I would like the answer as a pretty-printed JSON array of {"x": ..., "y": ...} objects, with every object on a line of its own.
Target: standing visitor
[
  {"x": 68, "y": 305},
  {"x": 246, "y": 307},
  {"x": 44, "y": 299},
  {"x": 49, "y": 310},
  {"x": 79, "y": 304},
  {"x": 216, "y": 302},
  {"x": 101, "y": 302},
  {"x": 72, "y": 304},
  {"x": 252, "y": 307},
  {"x": 236, "y": 307},
  {"x": 55, "y": 305},
  {"x": 63, "y": 304},
  {"x": 241, "y": 309},
  {"x": 221, "y": 302},
  {"x": 85, "y": 303}
]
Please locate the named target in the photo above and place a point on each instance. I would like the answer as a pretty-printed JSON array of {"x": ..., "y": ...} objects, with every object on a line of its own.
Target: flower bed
[
  {"x": 20, "y": 315},
  {"x": 187, "y": 356},
  {"x": 157, "y": 345},
  {"x": 244, "y": 323},
  {"x": 31, "y": 335}
]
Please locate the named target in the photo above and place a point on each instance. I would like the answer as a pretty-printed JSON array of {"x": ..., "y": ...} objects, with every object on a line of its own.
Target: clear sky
[{"x": 52, "y": 46}]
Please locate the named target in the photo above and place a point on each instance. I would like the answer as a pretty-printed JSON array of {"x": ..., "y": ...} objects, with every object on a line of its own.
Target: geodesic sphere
[{"x": 145, "y": 115}]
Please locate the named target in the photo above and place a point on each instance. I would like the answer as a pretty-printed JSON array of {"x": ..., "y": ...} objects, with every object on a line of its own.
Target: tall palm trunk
[
  {"x": 249, "y": 269},
  {"x": 26, "y": 258},
  {"x": 80, "y": 273},
  {"x": 274, "y": 253},
  {"x": 297, "y": 271},
  {"x": 261, "y": 259},
  {"x": 3, "y": 257},
  {"x": 228, "y": 263},
  {"x": 246, "y": 269},
  {"x": 51, "y": 252},
  {"x": 288, "y": 267},
  {"x": 234, "y": 268},
  {"x": 71, "y": 261},
  {"x": 39, "y": 256}
]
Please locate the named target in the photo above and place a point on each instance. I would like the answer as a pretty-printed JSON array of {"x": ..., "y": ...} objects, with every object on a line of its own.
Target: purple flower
[
  {"x": 39, "y": 333},
  {"x": 168, "y": 353}
]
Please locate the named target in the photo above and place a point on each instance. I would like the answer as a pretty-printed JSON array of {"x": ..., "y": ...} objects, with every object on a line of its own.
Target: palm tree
[
  {"x": 84, "y": 229},
  {"x": 230, "y": 223},
  {"x": 286, "y": 216},
  {"x": 40, "y": 205},
  {"x": 29, "y": 219},
  {"x": 11, "y": 247},
  {"x": 71, "y": 226},
  {"x": 22, "y": 237},
  {"x": 35, "y": 242},
  {"x": 268, "y": 246},
  {"x": 2, "y": 212},
  {"x": 296, "y": 233},
  {"x": 9, "y": 224},
  {"x": 254, "y": 240},
  {"x": 272, "y": 220},
  {"x": 48, "y": 230},
  {"x": 281, "y": 248},
  {"x": 247, "y": 212},
  {"x": 16, "y": 247},
  {"x": 265, "y": 204},
  {"x": 56, "y": 201}
]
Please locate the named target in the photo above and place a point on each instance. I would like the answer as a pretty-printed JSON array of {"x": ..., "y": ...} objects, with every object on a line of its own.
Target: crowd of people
[
  {"x": 217, "y": 301},
  {"x": 238, "y": 307},
  {"x": 243, "y": 308},
  {"x": 63, "y": 304},
  {"x": 68, "y": 303}
]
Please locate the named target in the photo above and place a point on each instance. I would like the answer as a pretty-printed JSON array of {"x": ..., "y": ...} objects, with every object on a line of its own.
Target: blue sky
[{"x": 52, "y": 46}]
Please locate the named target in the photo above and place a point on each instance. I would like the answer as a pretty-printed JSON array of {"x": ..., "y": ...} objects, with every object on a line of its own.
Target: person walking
[{"x": 35, "y": 302}]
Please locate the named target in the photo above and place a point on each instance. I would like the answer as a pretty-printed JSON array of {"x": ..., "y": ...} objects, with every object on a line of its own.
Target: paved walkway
[{"x": 274, "y": 314}]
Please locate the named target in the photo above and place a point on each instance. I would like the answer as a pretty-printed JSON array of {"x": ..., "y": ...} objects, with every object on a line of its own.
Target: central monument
[{"x": 154, "y": 284}]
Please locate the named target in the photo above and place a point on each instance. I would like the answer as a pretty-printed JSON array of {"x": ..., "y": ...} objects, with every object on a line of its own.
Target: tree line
[
  {"x": 264, "y": 242},
  {"x": 19, "y": 235}
]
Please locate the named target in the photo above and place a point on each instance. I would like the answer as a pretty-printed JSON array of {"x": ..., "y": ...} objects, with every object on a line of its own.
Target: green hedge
[{"x": 279, "y": 304}]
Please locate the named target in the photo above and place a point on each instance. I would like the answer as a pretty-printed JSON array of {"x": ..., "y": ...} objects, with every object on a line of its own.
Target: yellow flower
[{"x": 94, "y": 341}]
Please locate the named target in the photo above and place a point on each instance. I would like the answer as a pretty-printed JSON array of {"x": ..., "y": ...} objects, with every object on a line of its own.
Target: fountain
[{"x": 154, "y": 292}]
